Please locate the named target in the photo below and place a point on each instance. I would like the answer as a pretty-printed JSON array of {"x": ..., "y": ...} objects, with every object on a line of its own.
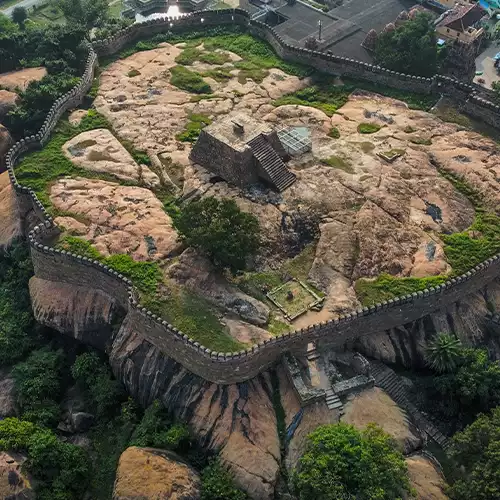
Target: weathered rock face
[
  {"x": 5, "y": 143},
  {"x": 238, "y": 420},
  {"x": 425, "y": 478},
  {"x": 88, "y": 314},
  {"x": 116, "y": 219},
  {"x": 99, "y": 151},
  {"x": 14, "y": 484},
  {"x": 195, "y": 272},
  {"x": 466, "y": 319},
  {"x": 8, "y": 100},
  {"x": 375, "y": 406},
  {"x": 10, "y": 222},
  {"x": 152, "y": 474}
]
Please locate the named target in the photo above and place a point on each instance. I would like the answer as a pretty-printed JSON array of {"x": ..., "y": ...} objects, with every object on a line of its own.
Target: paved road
[
  {"x": 485, "y": 62},
  {"x": 27, "y": 4}
]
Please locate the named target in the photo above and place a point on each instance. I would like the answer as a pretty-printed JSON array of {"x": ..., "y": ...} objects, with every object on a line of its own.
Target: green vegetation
[
  {"x": 342, "y": 462},
  {"x": 157, "y": 430},
  {"x": 385, "y": 287},
  {"x": 61, "y": 469},
  {"x": 18, "y": 330},
  {"x": 193, "y": 127},
  {"x": 86, "y": 14},
  {"x": 393, "y": 153},
  {"x": 421, "y": 140},
  {"x": 409, "y": 129},
  {"x": 189, "y": 81},
  {"x": 188, "y": 56},
  {"x": 38, "y": 386},
  {"x": 277, "y": 327},
  {"x": 219, "y": 75},
  {"x": 133, "y": 72},
  {"x": 225, "y": 234},
  {"x": 214, "y": 57},
  {"x": 217, "y": 484},
  {"x": 324, "y": 96},
  {"x": 443, "y": 353},
  {"x": 368, "y": 128},
  {"x": 476, "y": 453},
  {"x": 338, "y": 162},
  {"x": 19, "y": 16},
  {"x": 411, "y": 48},
  {"x": 293, "y": 298},
  {"x": 334, "y": 133}
]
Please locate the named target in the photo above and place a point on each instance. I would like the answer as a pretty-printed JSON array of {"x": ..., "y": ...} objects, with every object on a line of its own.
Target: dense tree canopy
[
  {"x": 19, "y": 16},
  {"x": 410, "y": 48},
  {"x": 341, "y": 462},
  {"x": 221, "y": 230},
  {"x": 85, "y": 13},
  {"x": 477, "y": 451}
]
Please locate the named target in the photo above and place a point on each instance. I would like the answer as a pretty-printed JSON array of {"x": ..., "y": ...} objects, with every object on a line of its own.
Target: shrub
[
  {"x": 342, "y": 462},
  {"x": 444, "y": 353},
  {"x": 368, "y": 128},
  {"x": 193, "y": 127},
  {"x": 221, "y": 230},
  {"x": 156, "y": 429},
  {"x": 217, "y": 484},
  {"x": 102, "y": 391},
  {"x": 188, "y": 56},
  {"x": 61, "y": 469},
  {"x": 189, "y": 81},
  {"x": 38, "y": 385},
  {"x": 334, "y": 133},
  {"x": 133, "y": 72}
]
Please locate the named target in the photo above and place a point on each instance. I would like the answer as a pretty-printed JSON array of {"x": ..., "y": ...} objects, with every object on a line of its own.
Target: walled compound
[{"x": 227, "y": 368}]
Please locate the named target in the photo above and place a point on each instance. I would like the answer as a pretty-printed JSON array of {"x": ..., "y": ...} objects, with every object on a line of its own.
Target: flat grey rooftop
[
  {"x": 224, "y": 130},
  {"x": 343, "y": 28}
]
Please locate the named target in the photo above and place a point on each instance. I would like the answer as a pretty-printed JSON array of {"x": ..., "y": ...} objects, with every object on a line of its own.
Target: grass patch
[
  {"x": 323, "y": 96},
  {"x": 188, "y": 56},
  {"x": 409, "y": 130},
  {"x": 421, "y": 141},
  {"x": 301, "y": 264},
  {"x": 367, "y": 147},
  {"x": 190, "y": 81},
  {"x": 368, "y": 128},
  {"x": 277, "y": 327},
  {"x": 258, "y": 284},
  {"x": 193, "y": 127},
  {"x": 79, "y": 246},
  {"x": 133, "y": 72},
  {"x": 334, "y": 133},
  {"x": 451, "y": 115},
  {"x": 250, "y": 70},
  {"x": 338, "y": 162},
  {"x": 40, "y": 169},
  {"x": 214, "y": 57},
  {"x": 386, "y": 287},
  {"x": 293, "y": 298},
  {"x": 218, "y": 74}
]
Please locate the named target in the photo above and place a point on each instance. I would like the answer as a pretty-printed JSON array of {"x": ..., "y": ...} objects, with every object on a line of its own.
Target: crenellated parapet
[{"x": 54, "y": 264}]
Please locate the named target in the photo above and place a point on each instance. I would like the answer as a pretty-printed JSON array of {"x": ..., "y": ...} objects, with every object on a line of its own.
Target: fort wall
[{"x": 226, "y": 368}]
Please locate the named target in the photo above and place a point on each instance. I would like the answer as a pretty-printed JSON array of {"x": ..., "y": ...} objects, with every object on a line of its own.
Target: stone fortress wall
[{"x": 228, "y": 368}]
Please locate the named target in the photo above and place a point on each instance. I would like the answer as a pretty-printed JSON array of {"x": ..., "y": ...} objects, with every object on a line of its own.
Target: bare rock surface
[
  {"x": 8, "y": 406},
  {"x": 8, "y": 101},
  {"x": 246, "y": 333},
  {"x": 152, "y": 474},
  {"x": 99, "y": 151},
  {"x": 426, "y": 478},
  {"x": 374, "y": 405},
  {"x": 10, "y": 224},
  {"x": 119, "y": 219},
  {"x": 15, "y": 484},
  {"x": 21, "y": 78},
  {"x": 195, "y": 272},
  {"x": 76, "y": 116},
  {"x": 5, "y": 144}
]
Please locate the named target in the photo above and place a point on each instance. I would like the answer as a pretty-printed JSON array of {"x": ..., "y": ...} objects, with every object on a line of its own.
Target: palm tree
[{"x": 444, "y": 353}]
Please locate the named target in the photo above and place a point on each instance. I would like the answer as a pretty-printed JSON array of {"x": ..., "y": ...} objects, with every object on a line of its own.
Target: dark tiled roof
[{"x": 462, "y": 17}]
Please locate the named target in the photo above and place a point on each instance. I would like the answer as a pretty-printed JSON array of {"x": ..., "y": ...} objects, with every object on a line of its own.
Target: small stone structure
[{"x": 243, "y": 151}]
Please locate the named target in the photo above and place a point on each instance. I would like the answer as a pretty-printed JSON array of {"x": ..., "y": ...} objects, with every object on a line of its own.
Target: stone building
[{"x": 243, "y": 151}]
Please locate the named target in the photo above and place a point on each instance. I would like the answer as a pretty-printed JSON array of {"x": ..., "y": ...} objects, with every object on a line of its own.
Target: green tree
[
  {"x": 220, "y": 230},
  {"x": 38, "y": 386},
  {"x": 103, "y": 392},
  {"x": 19, "y": 16},
  {"x": 87, "y": 13},
  {"x": 476, "y": 451},
  {"x": 217, "y": 484},
  {"x": 444, "y": 353},
  {"x": 341, "y": 462},
  {"x": 410, "y": 48}
]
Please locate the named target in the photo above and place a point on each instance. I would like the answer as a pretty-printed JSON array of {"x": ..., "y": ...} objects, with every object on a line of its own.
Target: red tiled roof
[{"x": 463, "y": 17}]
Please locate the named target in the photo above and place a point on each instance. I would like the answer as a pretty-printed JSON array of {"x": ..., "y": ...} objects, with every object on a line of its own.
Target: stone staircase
[
  {"x": 271, "y": 163},
  {"x": 389, "y": 381},
  {"x": 333, "y": 401}
]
